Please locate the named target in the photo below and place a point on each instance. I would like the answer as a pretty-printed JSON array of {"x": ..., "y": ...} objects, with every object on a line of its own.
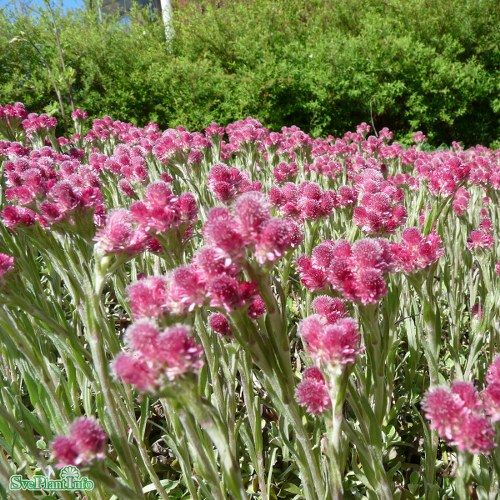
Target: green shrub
[{"x": 319, "y": 64}]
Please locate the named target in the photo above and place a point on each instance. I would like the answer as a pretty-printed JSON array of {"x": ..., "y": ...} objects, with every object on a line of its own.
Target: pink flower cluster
[
  {"x": 153, "y": 358},
  {"x": 312, "y": 392},
  {"x": 379, "y": 209},
  {"x": 207, "y": 280},
  {"x": 181, "y": 147},
  {"x": 226, "y": 183},
  {"x": 34, "y": 123},
  {"x": 50, "y": 187},
  {"x": 250, "y": 227},
  {"x": 331, "y": 338},
  {"x": 161, "y": 210},
  {"x": 6, "y": 264},
  {"x": 457, "y": 414},
  {"x": 355, "y": 270},
  {"x": 491, "y": 394},
  {"x": 482, "y": 238},
  {"x": 132, "y": 231},
  {"x": 285, "y": 171},
  {"x": 86, "y": 442},
  {"x": 306, "y": 201},
  {"x": 416, "y": 251}
]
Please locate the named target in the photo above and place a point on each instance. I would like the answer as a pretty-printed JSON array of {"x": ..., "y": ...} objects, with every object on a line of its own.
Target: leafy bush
[{"x": 323, "y": 65}]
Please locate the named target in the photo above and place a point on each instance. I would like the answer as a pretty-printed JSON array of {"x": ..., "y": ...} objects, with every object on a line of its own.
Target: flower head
[{"x": 312, "y": 391}]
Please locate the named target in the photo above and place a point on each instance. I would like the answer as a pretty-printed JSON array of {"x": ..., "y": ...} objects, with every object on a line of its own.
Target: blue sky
[{"x": 66, "y": 4}]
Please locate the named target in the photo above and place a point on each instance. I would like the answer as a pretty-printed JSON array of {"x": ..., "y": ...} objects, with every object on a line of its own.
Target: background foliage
[{"x": 323, "y": 65}]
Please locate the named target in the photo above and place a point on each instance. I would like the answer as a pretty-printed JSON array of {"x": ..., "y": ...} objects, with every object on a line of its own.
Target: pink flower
[
  {"x": 119, "y": 235},
  {"x": 135, "y": 371},
  {"x": 219, "y": 324},
  {"x": 221, "y": 231},
  {"x": 89, "y": 438},
  {"x": 210, "y": 263},
  {"x": 456, "y": 415},
  {"x": 445, "y": 410},
  {"x": 79, "y": 114},
  {"x": 86, "y": 442},
  {"x": 161, "y": 210},
  {"x": 64, "y": 451},
  {"x": 497, "y": 268},
  {"x": 312, "y": 392},
  {"x": 416, "y": 252},
  {"x": 187, "y": 289},
  {"x": 251, "y": 213},
  {"x": 14, "y": 216},
  {"x": 461, "y": 202},
  {"x": 257, "y": 308},
  {"x": 277, "y": 238},
  {"x": 6, "y": 264},
  {"x": 142, "y": 338},
  {"x": 476, "y": 435},
  {"x": 377, "y": 213},
  {"x": 179, "y": 352},
  {"x": 228, "y": 182},
  {"x": 331, "y": 344},
  {"x": 491, "y": 394},
  {"x": 224, "y": 292},
  {"x": 419, "y": 137},
  {"x": 149, "y": 298},
  {"x": 332, "y": 309}
]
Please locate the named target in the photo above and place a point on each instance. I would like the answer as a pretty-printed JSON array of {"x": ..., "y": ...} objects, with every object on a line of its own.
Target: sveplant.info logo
[{"x": 70, "y": 479}]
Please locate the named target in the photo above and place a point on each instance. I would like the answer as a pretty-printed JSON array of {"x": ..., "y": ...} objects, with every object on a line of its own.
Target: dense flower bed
[{"x": 244, "y": 313}]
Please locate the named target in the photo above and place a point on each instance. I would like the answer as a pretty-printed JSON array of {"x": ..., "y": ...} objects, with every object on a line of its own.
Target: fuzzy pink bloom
[
  {"x": 142, "y": 338},
  {"x": 446, "y": 411},
  {"x": 497, "y": 268},
  {"x": 14, "y": 216},
  {"x": 224, "y": 292},
  {"x": 377, "y": 213},
  {"x": 221, "y": 231},
  {"x": 284, "y": 172},
  {"x": 228, "y": 182},
  {"x": 331, "y": 344},
  {"x": 277, "y": 238},
  {"x": 136, "y": 372},
  {"x": 468, "y": 394},
  {"x": 149, "y": 297},
  {"x": 461, "y": 202},
  {"x": 79, "y": 114},
  {"x": 89, "y": 438},
  {"x": 480, "y": 240},
  {"x": 356, "y": 271},
  {"x": 119, "y": 235},
  {"x": 257, "y": 308},
  {"x": 312, "y": 392},
  {"x": 65, "y": 452},
  {"x": 417, "y": 252},
  {"x": 323, "y": 254},
  {"x": 179, "y": 352},
  {"x": 86, "y": 442},
  {"x": 371, "y": 254},
  {"x": 210, "y": 263},
  {"x": 419, "y": 137},
  {"x": 456, "y": 415},
  {"x": 161, "y": 210},
  {"x": 6, "y": 264},
  {"x": 331, "y": 308},
  {"x": 491, "y": 395},
  {"x": 251, "y": 212},
  {"x": 187, "y": 289},
  {"x": 219, "y": 324},
  {"x": 476, "y": 435}
]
